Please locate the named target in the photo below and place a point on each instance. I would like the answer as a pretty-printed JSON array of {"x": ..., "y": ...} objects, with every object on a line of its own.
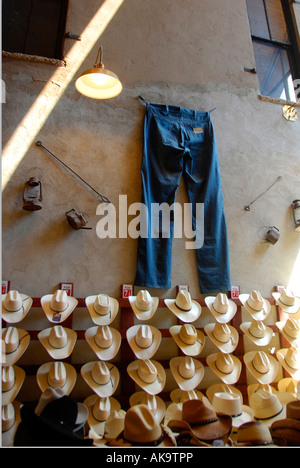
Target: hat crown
[
  {"x": 101, "y": 408},
  {"x": 144, "y": 336},
  {"x": 224, "y": 363},
  {"x": 151, "y": 402},
  {"x": 8, "y": 417},
  {"x": 103, "y": 337},
  {"x": 13, "y": 301},
  {"x": 188, "y": 333},
  {"x": 183, "y": 300},
  {"x": 257, "y": 329},
  {"x": 198, "y": 411},
  {"x": 147, "y": 371},
  {"x": 58, "y": 337},
  {"x": 186, "y": 367},
  {"x": 8, "y": 378},
  {"x": 100, "y": 373},
  {"x": 228, "y": 403},
  {"x": 287, "y": 297},
  {"x": 292, "y": 358},
  {"x": 11, "y": 339},
  {"x": 59, "y": 301},
  {"x": 222, "y": 332},
  {"x": 102, "y": 304},
  {"x": 264, "y": 404},
  {"x": 140, "y": 425},
  {"x": 143, "y": 300},
  {"x": 255, "y": 300},
  {"x": 261, "y": 362},
  {"x": 221, "y": 303},
  {"x": 292, "y": 327},
  {"x": 293, "y": 409},
  {"x": 255, "y": 432},
  {"x": 57, "y": 374}
]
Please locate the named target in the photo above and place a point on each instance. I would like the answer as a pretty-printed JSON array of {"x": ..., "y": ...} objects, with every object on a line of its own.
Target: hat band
[
  {"x": 223, "y": 371},
  {"x": 204, "y": 423},
  {"x": 262, "y": 373},
  {"x": 145, "y": 347},
  {"x": 59, "y": 311},
  {"x": 56, "y": 347},
  {"x": 183, "y": 310},
  {"x": 218, "y": 311},
  {"x": 108, "y": 312}
]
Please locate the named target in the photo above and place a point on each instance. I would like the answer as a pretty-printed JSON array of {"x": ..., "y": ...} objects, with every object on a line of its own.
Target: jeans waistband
[{"x": 178, "y": 114}]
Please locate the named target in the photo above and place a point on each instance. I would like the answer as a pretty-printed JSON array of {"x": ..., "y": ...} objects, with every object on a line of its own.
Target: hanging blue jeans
[{"x": 179, "y": 141}]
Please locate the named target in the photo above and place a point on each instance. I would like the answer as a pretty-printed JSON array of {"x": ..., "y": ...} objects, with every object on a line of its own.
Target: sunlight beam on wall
[{"x": 294, "y": 282}]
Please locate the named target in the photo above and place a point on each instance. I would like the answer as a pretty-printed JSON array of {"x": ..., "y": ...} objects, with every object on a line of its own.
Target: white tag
[{"x": 198, "y": 130}]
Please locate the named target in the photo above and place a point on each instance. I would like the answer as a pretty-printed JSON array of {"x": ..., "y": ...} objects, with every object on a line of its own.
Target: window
[
  {"x": 34, "y": 27},
  {"x": 275, "y": 48}
]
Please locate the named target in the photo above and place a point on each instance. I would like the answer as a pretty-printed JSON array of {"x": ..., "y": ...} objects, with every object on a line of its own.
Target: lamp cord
[{"x": 247, "y": 207}]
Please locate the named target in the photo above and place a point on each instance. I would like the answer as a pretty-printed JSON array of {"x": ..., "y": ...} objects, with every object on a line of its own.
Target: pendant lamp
[{"x": 98, "y": 82}]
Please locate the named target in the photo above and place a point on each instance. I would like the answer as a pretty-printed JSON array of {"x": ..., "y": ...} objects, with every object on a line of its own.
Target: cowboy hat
[
  {"x": 56, "y": 374},
  {"x": 263, "y": 366},
  {"x": 257, "y": 331},
  {"x": 148, "y": 374},
  {"x": 104, "y": 340},
  {"x": 287, "y": 429},
  {"x": 266, "y": 406},
  {"x": 221, "y": 387},
  {"x": 230, "y": 403},
  {"x": 143, "y": 305},
  {"x": 287, "y": 301},
  {"x": 102, "y": 308},
  {"x": 12, "y": 380},
  {"x": 200, "y": 418},
  {"x": 144, "y": 340},
  {"x": 154, "y": 402},
  {"x": 99, "y": 410},
  {"x": 226, "y": 366},
  {"x": 290, "y": 329},
  {"x": 189, "y": 339},
  {"x": 253, "y": 434},
  {"x": 184, "y": 307},
  {"x": 290, "y": 360},
  {"x": 58, "y": 306},
  {"x": 222, "y": 308},
  {"x": 179, "y": 396},
  {"x": 224, "y": 336},
  {"x": 258, "y": 307},
  {"x": 288, "y": 384},
  {"x": 102, "y": 377},
  {"x": 187, "y": 372},
  {"x": 15, "y": 341},
  {"x": 11, "y": 418},
  {"x": 15, "y": 306},
  {"x": 258, "y": 386},
  {"x": 141, "y": 428},
  {"x": 58, "y": 341}
]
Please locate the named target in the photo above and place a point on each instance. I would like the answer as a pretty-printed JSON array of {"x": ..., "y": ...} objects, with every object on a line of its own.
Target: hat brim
[
  {"x": 97, "y": 318},
  {"x": 186, "y": 384},
  {"x": 269, "y": 376},
  {"x": 143, "y": 314},
  {"x": 190, "y": 350},
  {"x": 54, "y": 316},
  {"x": 10, "y": 395},
  {"x": 188, "y": 316},
  {"x": 230, "y": 378},
  {"x": 227, "y": 347},
  {"x": 264, "y": 341},
  {"x": 104, "y": 354},
  {"x": 256, "y": 314},
  {"x": 15, "y": 317},
  {"x": 281, "y": 355},
  {"x": 152, "y": 388},
  {"x": 13, "y": 357},
  {"x": 143, "y": 353},
  {"x": 139, "y": 398},
  {"x": 104, "y": 390},
  {"x": 58, "y": 353},
  {"x": 99, "y": 426},
  {"x": 293, "y": 309},
  {"x": 42, "y": 377},
  {"x": 221, "y": 317}
]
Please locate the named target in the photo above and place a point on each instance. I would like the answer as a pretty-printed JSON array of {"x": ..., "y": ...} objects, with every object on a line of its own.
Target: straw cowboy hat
[
  {"x": 144, "y": 340},
  {"x": 15, "y": 306},
  {"x": 222, "y": 308},
  {"x": 258, "y": 307},
  {"x": 200, "y": 419},
  {"x": 15, "y": 341},
  {"x": 230, "y": 403},
  {"x": 154, "y": 402},
  {"x": 102, "y": 308},
  {"x": 184, "y": 307},
  {"x": 99, "y": 410},
  {"x": 257, "y": 332},
  {"x": 102, "y": 377},
  {"x": 187, "y": 372},
  {"x": 58, "y": 306},
  {"x": 104, "y": 340},
  {"x": 179, "y": 396},
  {"x": 288, "y": 384},
  {"x": 56, "y": 374},
  {"x": 58, "y": 341},
  {"x": 289, "y": 358},
  {"x": 143, "y": 305},
  {"x": 221, "y": 388},
  {"x": 290, "y": 329},
  {"x": 226, "y": 366},
  {"x": 266, "y": 406},
  {"x": 142, "y": 429},
  {"x": 224, "y": 336},
  {"x": 189, "y": 339},
  {"x": 11, "y": 419},
  {"x": 263, "y": 366},
  {"x": 12, "y": 380},
  {"x": 254, "y": 434},
  {"x": 258, "y": 386},
  {"x": 148, "y": 374},
  {"x": 287, "y": 301}
]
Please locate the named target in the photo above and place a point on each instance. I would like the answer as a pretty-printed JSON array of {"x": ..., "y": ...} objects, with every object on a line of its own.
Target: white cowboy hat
[
  {"x": 104, "y": 340},
  {"x": 224, "y": 336},
  {"x": 263, "y": 366},
  {"x": 221, "y": 387},
  {"x": 258, "y": 307},
  {"x": 173, "y": 411},
  {"x": 102, "y": 308},
  {"x": 290, "y": 329},
  {"x": 15, "y": 306},
  {"x": 287, "y": 301},
  {"x": 102, "y": 377},
  {"x": 144, "y": 340},
  {"x": 154, "y": 402},
  {"x": 222, "y": 308},
  {"x": 179, "y": 396},
  {"x": 58, "y": 306},
  {"x": 114, "y": 424},
  {"x": 189, "y": 339},
  {"x": 290, "y": 361},
  {"x": 58, "y": 341},
  {"x": 11, "y": 419},
  {"x": 143, "y": 305},
  {"x": 56, "y": 374},
  {"x": 148, "y": 374},
  {"x": 230, "y": 403},
  {"x": 187, "y": 372},
  {"x": 99, "y": 409},
  {"x": 15, "y": 341},
  {"x": 257, "y": 331},
  {"x": 226, "y": 366},
  {"x": 184, "y": 307},
  {"x": 12, "y": 380},
  {"x": 266, "y": 406}
]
